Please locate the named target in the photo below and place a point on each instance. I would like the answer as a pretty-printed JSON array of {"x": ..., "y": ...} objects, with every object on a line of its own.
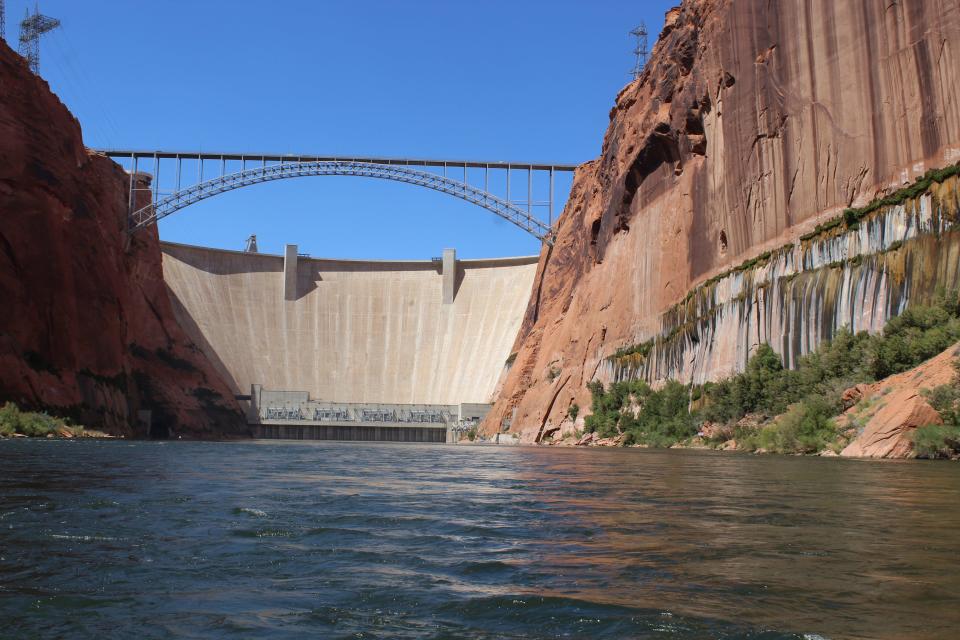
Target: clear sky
[{"x": 484, "y": 79}]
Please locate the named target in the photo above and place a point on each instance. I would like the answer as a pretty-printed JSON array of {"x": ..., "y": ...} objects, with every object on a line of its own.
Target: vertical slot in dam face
[{"x": 352, "y": 331}]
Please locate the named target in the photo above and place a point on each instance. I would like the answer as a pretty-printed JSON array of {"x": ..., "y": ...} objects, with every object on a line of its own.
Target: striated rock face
[
  {"x": 753, "y": 122},
  {"x": 88, "y": 330},
  {"x": 890, "y": 410}
]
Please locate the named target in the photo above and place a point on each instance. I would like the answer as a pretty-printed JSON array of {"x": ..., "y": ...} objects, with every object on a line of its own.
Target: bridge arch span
[{"x": 169, "y": 204}]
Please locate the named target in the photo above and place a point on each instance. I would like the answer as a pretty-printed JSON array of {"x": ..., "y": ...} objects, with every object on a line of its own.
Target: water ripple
[{"x": 292, "y": 540}]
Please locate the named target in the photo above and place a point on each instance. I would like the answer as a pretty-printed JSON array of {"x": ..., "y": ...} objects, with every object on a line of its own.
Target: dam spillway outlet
[{"x": 354, "y": 335}]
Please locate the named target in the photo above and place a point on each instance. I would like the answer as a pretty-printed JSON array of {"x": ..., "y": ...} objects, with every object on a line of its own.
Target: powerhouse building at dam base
[{"x": 407, "y": 351}]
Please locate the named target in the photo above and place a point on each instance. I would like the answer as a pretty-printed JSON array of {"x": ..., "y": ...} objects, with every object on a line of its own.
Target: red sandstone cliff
[
  {"x": 752, "y": 122},
  {"x": 88, "y": 329}
]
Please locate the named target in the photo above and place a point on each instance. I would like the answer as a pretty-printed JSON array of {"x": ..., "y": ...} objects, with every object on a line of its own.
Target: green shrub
[
  {"x": 852, "y": 216},
  {"x": 762, "y": 387},
  {"x": 936, "y": 441},
  {"x": 29, "y": 423},
  {"x": 917, "y": 334},
  {"x": 642, "y": 349},
  {"x": 37, "y": 425},
  {"x": 605, "y": 408},
  {"x": 941, "y": 440},
  {"x": 573, "y": 411},
  {"x": 946, "y": 400},
  {"x": 806, "y": 427},
  {"x": 662, "y": 417},
  {"x": 472, "y": 434},
  {"x": 9, "y": 417}
]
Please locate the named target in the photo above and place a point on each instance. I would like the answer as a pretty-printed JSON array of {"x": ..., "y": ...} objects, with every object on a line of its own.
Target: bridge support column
[
  {"x": 449, "y": 275},
  {"x": 290, "y": 272}
]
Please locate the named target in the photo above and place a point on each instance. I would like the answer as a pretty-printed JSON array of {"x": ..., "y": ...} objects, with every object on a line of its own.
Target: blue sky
[{"x": 491, "y": 80}]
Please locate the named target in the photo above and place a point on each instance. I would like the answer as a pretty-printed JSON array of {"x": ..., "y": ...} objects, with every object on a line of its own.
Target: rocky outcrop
[
  {"x": 752, "y": 123},
  {"x": 88, "y": 330},
  {"x": 888, "y": 412}
]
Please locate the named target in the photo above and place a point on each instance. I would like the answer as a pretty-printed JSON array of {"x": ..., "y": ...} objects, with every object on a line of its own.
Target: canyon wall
[
  {"x": 89, "y": 331},
  {"x": 357, "y": 330},
  {"x": 693, "y": 237}
]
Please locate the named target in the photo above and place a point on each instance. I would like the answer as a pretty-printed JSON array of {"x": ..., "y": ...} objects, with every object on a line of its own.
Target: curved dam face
[{"x": 425, "y": 333}]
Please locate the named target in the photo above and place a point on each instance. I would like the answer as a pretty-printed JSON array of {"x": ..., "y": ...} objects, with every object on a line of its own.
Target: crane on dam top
[{"x": 149, "y": 202}]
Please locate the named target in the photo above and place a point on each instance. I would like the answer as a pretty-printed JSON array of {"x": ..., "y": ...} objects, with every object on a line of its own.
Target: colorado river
[{"x": 329, "y": 540}]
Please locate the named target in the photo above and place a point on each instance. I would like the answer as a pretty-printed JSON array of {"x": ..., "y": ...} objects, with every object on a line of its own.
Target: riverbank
[
  {"x": 15, "y": 423},
  {"x": 833, "y": 404}
]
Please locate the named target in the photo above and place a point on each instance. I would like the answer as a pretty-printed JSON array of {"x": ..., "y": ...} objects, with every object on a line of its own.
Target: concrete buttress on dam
[{"x": 429, "y": 332}]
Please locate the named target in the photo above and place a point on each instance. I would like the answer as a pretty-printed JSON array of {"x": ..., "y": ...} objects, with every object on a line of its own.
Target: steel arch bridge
[{"x": 268, "y": 168}]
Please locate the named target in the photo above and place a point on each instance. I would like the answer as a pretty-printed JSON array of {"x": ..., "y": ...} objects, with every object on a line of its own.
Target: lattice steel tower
[
  {"x": 3, "y": 22},
  {"x": 32, "y": 27},
  {"x": 641, "y": 51}
]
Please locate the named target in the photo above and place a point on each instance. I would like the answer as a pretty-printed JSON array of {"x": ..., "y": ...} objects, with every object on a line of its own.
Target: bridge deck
[{"x": 288, "y": 157}]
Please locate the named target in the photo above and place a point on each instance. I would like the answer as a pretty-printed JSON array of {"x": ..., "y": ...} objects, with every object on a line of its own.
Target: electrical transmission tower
[
  {"x": 32, "y": 27},
  {"x": 3, "y": 22},
  {"x": 641, "y": 51}
]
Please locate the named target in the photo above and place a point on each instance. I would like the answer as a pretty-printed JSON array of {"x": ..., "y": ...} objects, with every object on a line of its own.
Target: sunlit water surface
[{"x": 329, "y": 540}]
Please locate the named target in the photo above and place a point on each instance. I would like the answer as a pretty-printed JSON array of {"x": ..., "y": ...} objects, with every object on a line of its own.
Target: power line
[
  {"x": 73, "y": 55},
  {"x": 641, "y": 51},
  {"x": 74, "y": 79}
]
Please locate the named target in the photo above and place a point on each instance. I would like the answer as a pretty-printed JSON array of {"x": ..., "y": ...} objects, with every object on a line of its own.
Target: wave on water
[{"x": 57, "y": 536}]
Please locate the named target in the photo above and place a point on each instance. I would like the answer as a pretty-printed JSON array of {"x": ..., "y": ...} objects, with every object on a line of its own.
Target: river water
[{"x": 334, "y": 540}]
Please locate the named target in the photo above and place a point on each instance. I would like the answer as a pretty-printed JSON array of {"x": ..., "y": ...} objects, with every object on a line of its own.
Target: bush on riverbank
[
  {"x": 805, "y": 398},
  {"x": 655, "y": 418},
  {"x": 806, "y": 427},
  {"x": 33, "y": 424},
  {"x": 937, "y": 441},
  {"x": 941, "y": 440}
]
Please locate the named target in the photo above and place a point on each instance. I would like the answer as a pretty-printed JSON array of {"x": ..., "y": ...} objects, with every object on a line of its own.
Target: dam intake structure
[{"x": 352, "y": 349}]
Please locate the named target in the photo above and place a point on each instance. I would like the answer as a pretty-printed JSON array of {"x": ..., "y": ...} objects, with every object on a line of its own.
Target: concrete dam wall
[{"x": 352, "y": 331}]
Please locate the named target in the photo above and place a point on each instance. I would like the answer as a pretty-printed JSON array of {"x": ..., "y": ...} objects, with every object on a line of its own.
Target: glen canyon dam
[{"x": 352, "y": 349}]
